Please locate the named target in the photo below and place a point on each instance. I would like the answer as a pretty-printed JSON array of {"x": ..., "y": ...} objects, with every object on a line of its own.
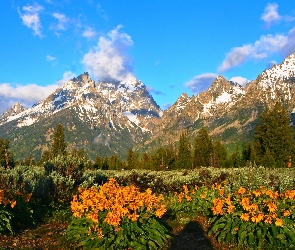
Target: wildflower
[
  {"x": 188, "y": 198},
  {"x": 203, "y": 195},
  {"x": 257, "y": 218},
  {"x": 230, "y": 209},
  {"x": 268, "y": 219},
  {"x": 257, "y": 193},
  {"x": 245, "y": 217},
  {"x": 241, "y": 190},
  {"x": 99, "y": 233},
  {"x": 286, "y": 213},
  {"x": 221, "y": 192},
  {"x": 161, "y": 211},
  {"x": 279, "y": 222},
  {"x": 185, "y": 189},
  {"x": 272, "y": 207}
]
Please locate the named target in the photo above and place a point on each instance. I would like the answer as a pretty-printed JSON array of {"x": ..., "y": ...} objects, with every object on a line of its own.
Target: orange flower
[
  {"x": 241, "y": 190},
  {"x": 257, "y": 218},
  {"x": 230, "y": 209},
  {"x": 245, "y": 217},
  {"x": 203, "y": 195},
  {"x": 257, "y": 193},
  {"x": 279, "y": 222},
  {"x": 286, "y": 213},
  {"x": 268, "y": 219},
  {"x": 272, "y": 207},
  {"x": 188, "y": 198}
]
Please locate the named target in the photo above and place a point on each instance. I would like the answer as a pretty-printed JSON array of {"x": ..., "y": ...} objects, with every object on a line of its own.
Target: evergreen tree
[
  {"x": 132, "y": 162},
  {"x": 58, "y": 146},
  {"x": 203, "y": 149},
  {"x": 6, "y": 157},
  {"x": 219, "y": 157},
  {"x": 184, "y": 152},
  {"x": 45, "y": 157},
  {"x": 274, "y": 133}
]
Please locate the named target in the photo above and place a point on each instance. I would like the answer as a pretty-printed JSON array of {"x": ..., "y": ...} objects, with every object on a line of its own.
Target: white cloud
[
  {"x": 50, "y": 58},
  {"x": 62, "y": 21},
  {"x": 200, "y": 82},
  {"x": 27, "y": 95},
  {"x": 262, "y": 48},
  {"x": 109, "y": 60},
  {"x": 270, "y": 14},
  {"x": 89, "y": 33},
  {"x": 68, "y": 75},
  {"x": 31, "y": 19},
  {"x": 240, "y": 80}
]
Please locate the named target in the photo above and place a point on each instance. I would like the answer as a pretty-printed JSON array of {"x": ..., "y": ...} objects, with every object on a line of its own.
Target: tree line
[{"x": 272, "y": 146}]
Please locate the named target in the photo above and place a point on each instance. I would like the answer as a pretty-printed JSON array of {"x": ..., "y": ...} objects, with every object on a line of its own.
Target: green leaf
[
  {"x": 274, "y": 230},
  {"x": 251, "y": 239}
]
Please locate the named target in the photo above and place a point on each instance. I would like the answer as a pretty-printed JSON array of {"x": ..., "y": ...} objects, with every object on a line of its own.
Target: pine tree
[
  {"x": 58, "y": 146},
  {"x": 219, "y": 155},
  {"x": 6, "y": 157},
  {"x": 203, "y": 149},
  {"x": 184, "y": 152},
  {"x": 274, "y": 133}
]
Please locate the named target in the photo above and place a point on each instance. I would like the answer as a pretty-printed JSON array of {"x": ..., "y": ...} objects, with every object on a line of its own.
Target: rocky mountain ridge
[{"x": 110, "y": 117}]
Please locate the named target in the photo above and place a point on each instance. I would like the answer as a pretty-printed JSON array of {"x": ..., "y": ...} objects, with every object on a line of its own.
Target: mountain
[
  {"x": 108, "y": 118},
  {"x": 104, "y": 118},
  {"x": 228, "y": 110}
]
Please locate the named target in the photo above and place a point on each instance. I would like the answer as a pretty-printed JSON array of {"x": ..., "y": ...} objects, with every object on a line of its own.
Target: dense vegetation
[{"x": 246, "y": 204}]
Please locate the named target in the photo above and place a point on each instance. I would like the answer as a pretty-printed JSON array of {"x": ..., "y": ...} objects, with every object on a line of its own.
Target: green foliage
[
  {"x": 6, "y": 157},
  {"x": 203, "y": 149},
  {"x": 274, "y": 137},
  {"x": 58, "y": 146},
  {"x": 184, "y": 152},
  {"x": 5, "y": 221}
]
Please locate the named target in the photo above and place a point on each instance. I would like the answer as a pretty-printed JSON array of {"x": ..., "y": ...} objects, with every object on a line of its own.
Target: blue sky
[{"x": 171, "y": 46}]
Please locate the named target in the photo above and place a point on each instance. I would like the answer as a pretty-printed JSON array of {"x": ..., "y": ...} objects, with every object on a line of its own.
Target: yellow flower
[
  {"x": 268, "y": 220},
  {"x": 286, "y": 213},
  {"x": 188, "y": 198},
  {"x": 272, "y": 207},
  {"x": 230, "y": 209},
  {"x": 257, "y": 193},
  {"x": 241, "y": 190},
  {"x": 279, "y": 222},
  {"x": 245, "y": 217},
  {"x": 203, "y": 195},
  {"x": 257, "y": 218}
]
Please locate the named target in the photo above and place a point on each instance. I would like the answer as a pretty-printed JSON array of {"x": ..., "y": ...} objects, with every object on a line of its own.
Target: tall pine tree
[
  {"x": 58, "y": 146},
  {"x": 203, "y": 149},
  {"x": 184, "y": 152},
  {"x": 274, "y": 136},
  {"x": 6, "y": 157}
]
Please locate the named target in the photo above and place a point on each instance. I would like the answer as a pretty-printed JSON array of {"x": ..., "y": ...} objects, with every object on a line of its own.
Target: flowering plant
[
  {"x": 255, "y": 218},
  {"x": 117, "y": 217}
]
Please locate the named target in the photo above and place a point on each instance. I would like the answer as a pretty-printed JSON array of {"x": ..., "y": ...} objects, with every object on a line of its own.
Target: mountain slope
[{"x": 102, "y": 117}]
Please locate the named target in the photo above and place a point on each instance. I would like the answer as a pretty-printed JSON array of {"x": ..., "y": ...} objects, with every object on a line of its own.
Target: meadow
[{"x": 204, "y": 208}]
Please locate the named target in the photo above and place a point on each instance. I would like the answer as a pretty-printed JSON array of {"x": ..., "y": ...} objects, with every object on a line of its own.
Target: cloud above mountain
[
  {"x": 109, "y": 59},
  {"x": 27, "y": 95},
  {"x": 200, "y": 82}
]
